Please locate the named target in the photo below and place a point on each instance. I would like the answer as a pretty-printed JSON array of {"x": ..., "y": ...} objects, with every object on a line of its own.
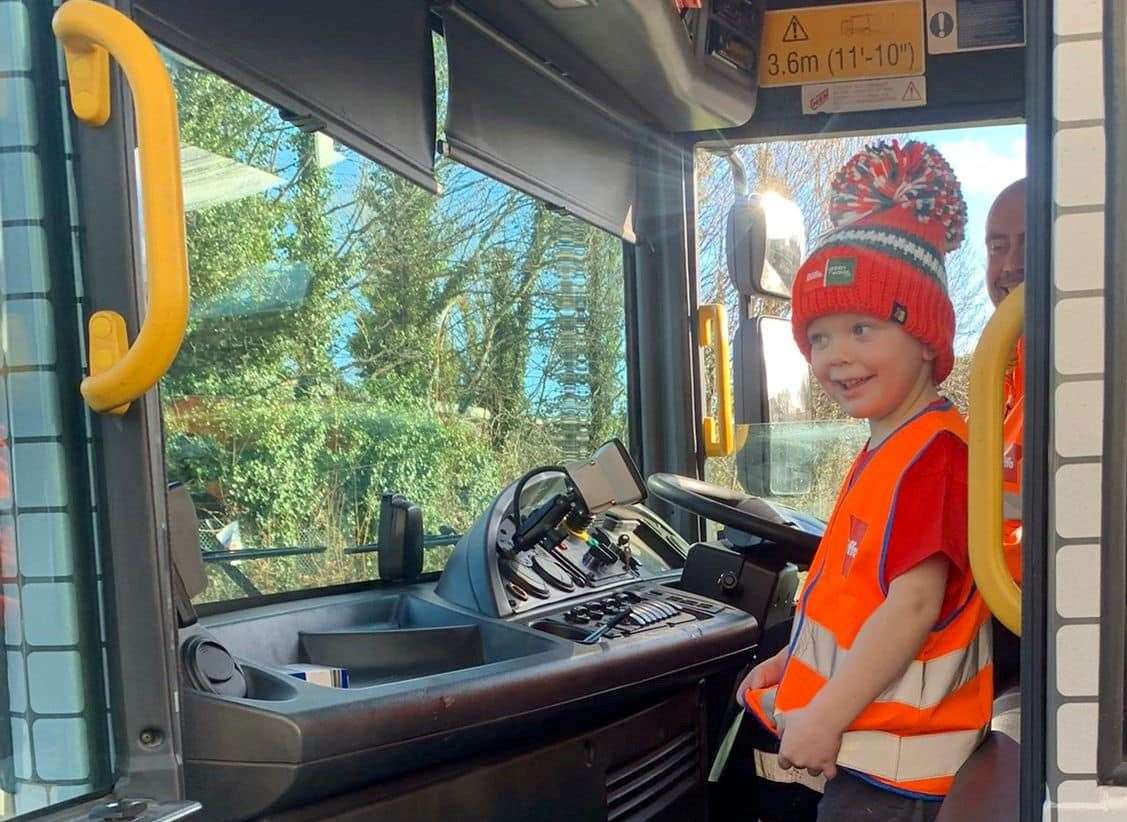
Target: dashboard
[{"x": 561, "y": 627}]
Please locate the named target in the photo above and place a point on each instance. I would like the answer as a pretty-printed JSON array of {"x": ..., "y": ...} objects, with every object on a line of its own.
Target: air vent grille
[{"x": 642, "y": 787}]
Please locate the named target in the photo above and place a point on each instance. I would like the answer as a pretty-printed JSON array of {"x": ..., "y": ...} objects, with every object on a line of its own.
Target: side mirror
[{"x": 765, "y": 242}]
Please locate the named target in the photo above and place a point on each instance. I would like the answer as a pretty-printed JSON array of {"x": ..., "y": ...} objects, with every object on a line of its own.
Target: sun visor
[
  {"x": 361, "y": 72},
  {"x": 518, "y": 121}
]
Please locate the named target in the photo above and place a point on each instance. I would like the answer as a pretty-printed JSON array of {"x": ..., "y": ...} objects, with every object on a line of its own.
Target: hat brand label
[{"x": 840, "y": 270}]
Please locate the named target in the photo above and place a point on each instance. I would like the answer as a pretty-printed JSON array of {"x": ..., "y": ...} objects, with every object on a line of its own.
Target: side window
[
  {"x": 352, "y": 334},
  {"x": 798, "y": 445},
  {"x": 809, "y": 445},
  {"x": 53, "y": 722}
]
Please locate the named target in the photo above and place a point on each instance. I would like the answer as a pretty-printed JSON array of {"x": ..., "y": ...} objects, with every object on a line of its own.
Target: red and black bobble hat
[{"x": 896, "y": 211}]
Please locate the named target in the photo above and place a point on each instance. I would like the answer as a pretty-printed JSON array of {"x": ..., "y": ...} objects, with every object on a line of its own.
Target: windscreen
[
  {"x": 799, "y": 451},
  {"x": 352, "y": 334}
]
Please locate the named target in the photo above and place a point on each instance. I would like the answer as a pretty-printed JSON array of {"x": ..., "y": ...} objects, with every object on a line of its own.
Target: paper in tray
[{"x": 319, "y": 674}]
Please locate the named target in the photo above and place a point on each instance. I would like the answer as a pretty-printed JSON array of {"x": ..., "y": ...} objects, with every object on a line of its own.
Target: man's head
[
  {"x": 896, "y": 211},
  {"x": 1005, "y": 242}
]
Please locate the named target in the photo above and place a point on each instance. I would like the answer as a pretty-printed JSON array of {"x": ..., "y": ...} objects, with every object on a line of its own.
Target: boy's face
[{"x": 870, "y": 367}]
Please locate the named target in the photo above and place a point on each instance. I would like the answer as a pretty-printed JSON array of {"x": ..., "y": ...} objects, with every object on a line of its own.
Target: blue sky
[{"x": 986, "y": 160}]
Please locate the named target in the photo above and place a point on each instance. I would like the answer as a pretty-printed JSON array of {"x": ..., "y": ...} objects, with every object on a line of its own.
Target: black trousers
[{"x": 848, "y": 798}]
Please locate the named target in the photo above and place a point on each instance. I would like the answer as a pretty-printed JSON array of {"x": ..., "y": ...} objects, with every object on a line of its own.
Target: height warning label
[
  {"x": 864, "y": 95},
  {"x": 857, "y": 41}
]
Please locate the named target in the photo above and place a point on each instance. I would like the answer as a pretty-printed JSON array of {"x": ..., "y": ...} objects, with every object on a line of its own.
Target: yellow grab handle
[
  {"x": 88, "y": 30},
  {"x": 719, "y": 432},
  {"x": 984, "y": 482}
]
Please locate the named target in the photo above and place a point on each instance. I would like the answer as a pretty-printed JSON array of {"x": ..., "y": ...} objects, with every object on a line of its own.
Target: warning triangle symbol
[
  {"x": 795, "y": 33},
  {"x": 911, "y": 94}
]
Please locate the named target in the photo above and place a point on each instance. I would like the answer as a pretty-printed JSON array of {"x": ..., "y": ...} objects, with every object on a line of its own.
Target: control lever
[
  {"x": 611, "y": 623},
  {"x": 577, "y": 574},
  {"x": 625, "y": 553},
  {"x": 602, "y": 554}
]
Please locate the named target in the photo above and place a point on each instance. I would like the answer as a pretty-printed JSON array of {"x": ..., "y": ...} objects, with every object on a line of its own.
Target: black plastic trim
[
  {"x": 632, "y": 306},
  {"x": 137, "y": 569},
  {"x": 1111, "y": 751},
  {"x": 752, "y": 404},
  {"x": 692, "y": 269},
  {"x": 1038, "y": 402},
  {"x": 665, "y": 313}
]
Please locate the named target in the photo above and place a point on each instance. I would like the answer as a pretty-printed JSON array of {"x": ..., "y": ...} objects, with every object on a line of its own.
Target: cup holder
[{"x": 210, "y": 668}]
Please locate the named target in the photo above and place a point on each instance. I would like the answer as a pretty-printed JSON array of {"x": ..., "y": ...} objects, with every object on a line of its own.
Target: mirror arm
[
  {"x": 738, "y": 169},
  {"x": 739, "y": 174}
]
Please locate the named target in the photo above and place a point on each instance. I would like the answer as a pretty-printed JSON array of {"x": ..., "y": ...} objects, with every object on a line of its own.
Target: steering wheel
[{"x": 732, "y": 508}]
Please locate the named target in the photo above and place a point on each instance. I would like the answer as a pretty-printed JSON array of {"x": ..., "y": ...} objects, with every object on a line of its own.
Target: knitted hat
[{"x": 896, "y": 210}]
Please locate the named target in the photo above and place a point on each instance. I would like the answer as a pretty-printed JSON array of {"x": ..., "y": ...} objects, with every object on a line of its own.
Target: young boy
[{"x": 885, "y": 687}]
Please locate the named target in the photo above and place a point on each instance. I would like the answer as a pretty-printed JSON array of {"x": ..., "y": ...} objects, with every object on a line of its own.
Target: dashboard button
[
  {"x": 552, "y": 573},
  {"x": 523, "y": 577}
]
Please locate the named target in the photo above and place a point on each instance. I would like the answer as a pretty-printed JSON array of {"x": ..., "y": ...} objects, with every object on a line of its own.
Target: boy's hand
[
  {"x": 764, "y": 675},
  {"x": 810, "y": 740}
]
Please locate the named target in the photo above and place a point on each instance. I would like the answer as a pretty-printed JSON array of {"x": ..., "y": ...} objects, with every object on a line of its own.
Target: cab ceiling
[{"x": 637, "y": 56}]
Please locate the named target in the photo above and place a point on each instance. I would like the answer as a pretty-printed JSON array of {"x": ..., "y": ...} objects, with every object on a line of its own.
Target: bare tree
[
  {"x": 798, "y": 170},
  {"x": 802, "y": 170}
]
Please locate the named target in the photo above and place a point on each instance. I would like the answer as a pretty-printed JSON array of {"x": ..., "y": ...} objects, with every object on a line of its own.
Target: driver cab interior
[{"x": 448, "y": 457}]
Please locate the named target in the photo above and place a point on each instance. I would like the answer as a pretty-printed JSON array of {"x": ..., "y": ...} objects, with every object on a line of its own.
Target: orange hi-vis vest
[
  {"x": 921, "y": 729},
  {"x": 1012, "y": 433}
]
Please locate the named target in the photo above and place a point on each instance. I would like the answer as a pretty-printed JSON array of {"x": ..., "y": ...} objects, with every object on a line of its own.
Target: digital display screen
[{"x": 990, "y": 23}]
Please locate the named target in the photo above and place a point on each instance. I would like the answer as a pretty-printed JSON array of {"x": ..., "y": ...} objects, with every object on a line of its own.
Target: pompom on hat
[{"x": 896, "y": 211}]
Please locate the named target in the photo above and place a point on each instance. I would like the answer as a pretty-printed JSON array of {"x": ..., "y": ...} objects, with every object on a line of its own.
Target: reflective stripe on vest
[
  {"x": 922, "y": 685},
  {"x": 920, "y": 730},
  {"x": 898, "y": 759},
  {"x": 916, "y": 758}
]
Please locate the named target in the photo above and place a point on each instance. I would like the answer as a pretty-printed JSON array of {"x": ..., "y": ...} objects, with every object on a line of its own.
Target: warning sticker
[
  {"x": 795, "y": 31},
  {"x": 853, "y": 41},
  {"x": 974, "y": 25},
  {"x": 864, "y": 95}
]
